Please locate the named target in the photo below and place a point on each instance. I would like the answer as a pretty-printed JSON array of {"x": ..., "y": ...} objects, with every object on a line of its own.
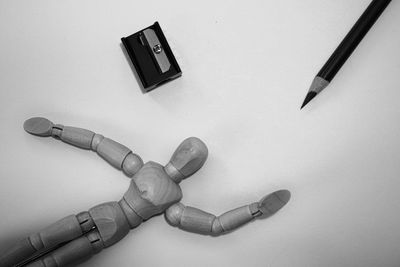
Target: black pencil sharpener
[{"x": 152, "y": 57}]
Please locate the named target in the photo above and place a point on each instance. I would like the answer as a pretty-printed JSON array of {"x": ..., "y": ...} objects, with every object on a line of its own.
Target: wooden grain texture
[
  {"x": 72, "y": 253},
  {"x": 61, "y": 231},
  {"x": 58, "y": 233},
  {"x": 110, "y": 221},
  {"x": 17, "y": 253},
  {"x": 190, "y": 156},
  {"x": 116, "y": 154},
  {"x": 198, "y": 221},
  {"x": 38, "y": 126},
  {"x": 75, "y": 136},
  {"x": 154, "y": 189},
  {"x": 273, "y": 202}
]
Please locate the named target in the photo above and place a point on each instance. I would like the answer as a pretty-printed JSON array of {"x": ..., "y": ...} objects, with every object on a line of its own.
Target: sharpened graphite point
[{"x": 308, "y": 98}]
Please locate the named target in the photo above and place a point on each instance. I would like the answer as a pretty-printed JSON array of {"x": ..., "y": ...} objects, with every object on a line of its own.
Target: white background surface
[{"x": 246, "y": 68}]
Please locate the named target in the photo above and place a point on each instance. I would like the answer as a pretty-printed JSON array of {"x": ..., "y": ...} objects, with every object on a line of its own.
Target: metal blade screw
[{"x": 157, "y": 49}]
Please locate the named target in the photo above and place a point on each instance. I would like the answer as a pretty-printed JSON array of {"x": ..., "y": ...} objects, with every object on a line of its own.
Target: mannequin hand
[{"x": 271, "y": 203}]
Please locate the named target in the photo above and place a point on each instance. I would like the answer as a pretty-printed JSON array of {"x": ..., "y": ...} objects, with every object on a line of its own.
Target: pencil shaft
[{"x": 352, "y": 39}]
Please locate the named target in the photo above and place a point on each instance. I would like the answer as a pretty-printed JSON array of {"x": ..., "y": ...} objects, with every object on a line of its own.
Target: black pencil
[{"x": 346, "y": 48}]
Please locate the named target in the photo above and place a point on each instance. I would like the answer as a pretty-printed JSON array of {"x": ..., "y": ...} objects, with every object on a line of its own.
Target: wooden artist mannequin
[{"x": 153, "y": 190}]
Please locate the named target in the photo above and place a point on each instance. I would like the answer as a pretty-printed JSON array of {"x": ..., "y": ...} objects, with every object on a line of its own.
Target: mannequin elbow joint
[{"x": 216, "y": 228}]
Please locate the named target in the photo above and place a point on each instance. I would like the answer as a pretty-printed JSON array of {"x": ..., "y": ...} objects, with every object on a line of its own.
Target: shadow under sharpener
[{"x": 152, "y": 57}]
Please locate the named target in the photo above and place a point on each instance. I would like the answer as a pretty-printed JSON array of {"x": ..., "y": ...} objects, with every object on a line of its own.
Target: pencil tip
[
  {"x": 308, "y": 98},
  {"x": 317, "y": 86}
]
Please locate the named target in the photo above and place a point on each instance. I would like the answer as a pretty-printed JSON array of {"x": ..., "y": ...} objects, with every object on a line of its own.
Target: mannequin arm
[
  {"x": 113, "y": 152},
  {"x": 198, "y": 221}
]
